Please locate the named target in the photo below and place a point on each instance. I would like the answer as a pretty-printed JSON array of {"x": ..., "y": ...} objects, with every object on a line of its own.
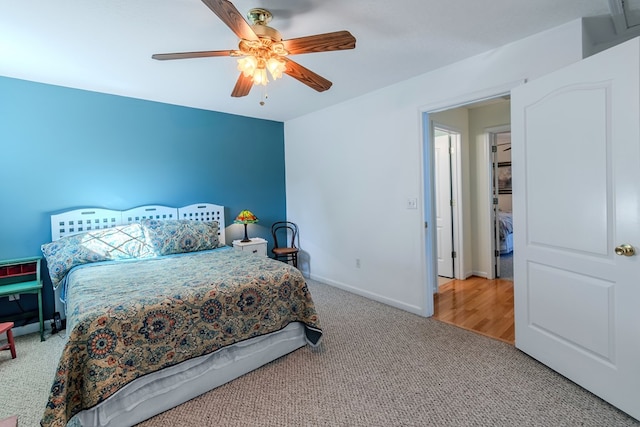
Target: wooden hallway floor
[{"x": 479, "y": 305}]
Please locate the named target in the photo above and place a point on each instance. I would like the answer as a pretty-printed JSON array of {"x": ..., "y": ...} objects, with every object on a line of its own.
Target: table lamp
[{"x": 245, "y": 217}]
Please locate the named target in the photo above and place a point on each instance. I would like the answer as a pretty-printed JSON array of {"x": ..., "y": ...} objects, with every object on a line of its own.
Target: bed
[
  {"x": 159, "y": 311},
  {"x": 505, "y": 229}
]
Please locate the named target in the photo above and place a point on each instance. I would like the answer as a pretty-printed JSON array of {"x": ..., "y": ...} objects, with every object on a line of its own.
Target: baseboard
[
  {"x": 372, "y": 296},
  {"x": 31, "y": 328},
  {"x": 483, "y": 274},
  {"x": 466, "y": 275}
]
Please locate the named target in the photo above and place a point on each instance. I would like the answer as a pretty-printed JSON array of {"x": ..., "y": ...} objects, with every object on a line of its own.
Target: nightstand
[{"x": 256, "y": 246}]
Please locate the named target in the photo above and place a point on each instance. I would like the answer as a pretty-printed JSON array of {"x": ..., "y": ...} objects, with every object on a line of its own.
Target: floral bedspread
[{"x": 127, "y": 319}]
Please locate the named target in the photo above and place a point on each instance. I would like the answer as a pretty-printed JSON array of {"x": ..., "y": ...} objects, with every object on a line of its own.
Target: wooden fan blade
[
  {"x": 242, "y": 87},
  {"x": 228, "y": 14},
  {"x": 186, "y": 55},
  {"x": 338, "y": 40},
  {"x": 306, "y": 76}
]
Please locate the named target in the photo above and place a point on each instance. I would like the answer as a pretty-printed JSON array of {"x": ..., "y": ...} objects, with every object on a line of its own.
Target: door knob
[{"x": 625, "y": 250}]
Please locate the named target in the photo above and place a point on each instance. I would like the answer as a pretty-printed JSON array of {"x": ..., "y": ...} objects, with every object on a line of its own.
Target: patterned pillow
[
  {"x": 123, "y": 242},
  {"x": 178, "y": 236}
]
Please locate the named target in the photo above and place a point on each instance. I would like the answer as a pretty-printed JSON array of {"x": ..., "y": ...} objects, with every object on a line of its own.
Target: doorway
[
  {"x": 477, "y": 282},
  {"x": 472, "y": 124},
  {"x": 499, "y": 140}
]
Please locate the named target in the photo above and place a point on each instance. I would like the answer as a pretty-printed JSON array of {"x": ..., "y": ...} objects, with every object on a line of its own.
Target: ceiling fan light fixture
[
  {"x": 247, "y": 65},
  {"x": 256, "y": 68},
  {"x": 260, "y": 77},
  {"x": 261, "y": 55},
  {"x": 276, "y": 67}
]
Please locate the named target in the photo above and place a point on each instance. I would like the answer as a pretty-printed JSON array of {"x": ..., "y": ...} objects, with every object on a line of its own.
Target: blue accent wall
[{"x": 63, "y": 148}]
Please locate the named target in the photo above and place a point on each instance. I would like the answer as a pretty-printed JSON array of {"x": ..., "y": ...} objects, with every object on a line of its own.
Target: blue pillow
[{"x": 179, "y": 236}]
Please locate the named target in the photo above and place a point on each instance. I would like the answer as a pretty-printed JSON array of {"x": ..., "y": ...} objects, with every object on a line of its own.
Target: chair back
[{"x": 284, "y": 230}]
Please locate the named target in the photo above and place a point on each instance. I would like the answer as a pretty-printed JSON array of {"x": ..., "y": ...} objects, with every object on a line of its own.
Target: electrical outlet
[
  {"x": 357, "y": 262},
  {"x": 14, "y": 297},
  {"x": 412, "y": 203}
]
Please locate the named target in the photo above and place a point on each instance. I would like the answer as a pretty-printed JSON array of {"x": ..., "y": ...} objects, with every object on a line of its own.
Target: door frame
[
  {"x": 490, "y": 137},
  {"x": 429, "y": 264}
]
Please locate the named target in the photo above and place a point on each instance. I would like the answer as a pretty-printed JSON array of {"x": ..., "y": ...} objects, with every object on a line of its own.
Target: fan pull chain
[{"x": 264, "y": 96}]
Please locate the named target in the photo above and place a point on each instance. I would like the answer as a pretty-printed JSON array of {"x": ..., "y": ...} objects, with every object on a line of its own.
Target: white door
[
  {"x": 444, "y": 226},
  {"x": 576, "y": 179}
]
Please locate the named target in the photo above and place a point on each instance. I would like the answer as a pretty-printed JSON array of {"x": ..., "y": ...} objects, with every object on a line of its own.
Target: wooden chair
[
  {"x": 282, "y": 231},
  {"x": 6, "y": 327}
]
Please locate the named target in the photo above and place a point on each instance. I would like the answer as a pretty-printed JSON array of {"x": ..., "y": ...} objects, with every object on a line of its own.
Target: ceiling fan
[{"x": 261, "y": 48}]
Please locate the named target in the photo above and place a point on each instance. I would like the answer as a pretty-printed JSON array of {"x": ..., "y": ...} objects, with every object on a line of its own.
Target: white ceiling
[{"x": 106, "y": 45}]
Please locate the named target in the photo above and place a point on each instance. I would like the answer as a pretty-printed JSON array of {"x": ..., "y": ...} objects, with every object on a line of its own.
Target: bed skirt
[{"x": 163, "y": 390}]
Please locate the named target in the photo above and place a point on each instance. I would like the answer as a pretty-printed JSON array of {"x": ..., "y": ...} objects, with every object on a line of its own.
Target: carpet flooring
[
  {"x": 376, "y": 366},
  {"x": 506, "y": 266}
]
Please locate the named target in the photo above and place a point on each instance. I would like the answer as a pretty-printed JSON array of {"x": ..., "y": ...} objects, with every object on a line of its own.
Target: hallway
[{"x": 477, "y": 304}]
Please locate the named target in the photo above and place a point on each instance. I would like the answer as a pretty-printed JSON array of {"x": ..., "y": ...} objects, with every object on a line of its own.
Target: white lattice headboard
[
  {"x": 87, "y": 219},
  {"x": 148, "y": 212}
]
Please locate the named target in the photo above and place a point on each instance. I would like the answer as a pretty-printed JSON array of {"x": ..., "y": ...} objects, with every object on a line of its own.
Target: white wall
[{"x": 352, "y": 167}]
